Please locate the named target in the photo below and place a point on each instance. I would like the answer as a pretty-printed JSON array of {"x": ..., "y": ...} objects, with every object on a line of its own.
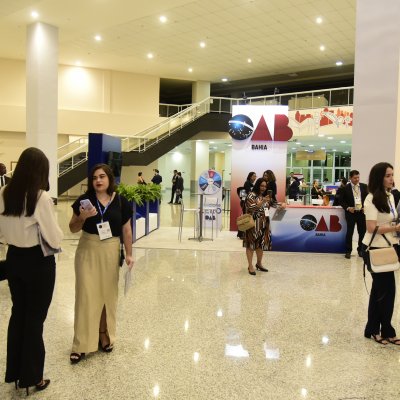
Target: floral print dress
[{"x": 258, "y": 237}]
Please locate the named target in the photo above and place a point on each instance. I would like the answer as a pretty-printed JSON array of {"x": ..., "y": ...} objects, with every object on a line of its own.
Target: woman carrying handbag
[
  {"x": 380, "y": 212},
  {"x": 26, "y": 213}
]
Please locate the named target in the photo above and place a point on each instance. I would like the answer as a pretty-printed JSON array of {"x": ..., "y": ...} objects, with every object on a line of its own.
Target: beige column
[
  {"x": 376, "y": 93},
  {"x": 199, "y": 162},
  {"x": 200, "y": 91},
  {"x": 42, "y": 93}
]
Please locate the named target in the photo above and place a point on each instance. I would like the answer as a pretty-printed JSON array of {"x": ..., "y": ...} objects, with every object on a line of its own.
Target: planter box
[{"x": 146, "y": 218}]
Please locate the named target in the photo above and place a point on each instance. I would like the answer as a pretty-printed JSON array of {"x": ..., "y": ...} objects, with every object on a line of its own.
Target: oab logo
[
  {"x": 241, "y": 127},
  {"x": 309, "y": 223}
]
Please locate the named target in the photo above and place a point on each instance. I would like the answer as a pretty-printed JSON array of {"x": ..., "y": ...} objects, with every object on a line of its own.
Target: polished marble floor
[{"x": 196, "y": 325}]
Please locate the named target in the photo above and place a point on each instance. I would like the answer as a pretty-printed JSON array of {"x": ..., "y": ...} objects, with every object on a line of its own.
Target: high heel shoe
[
  {"x": 108, "y": 348},
  {"x": 261, "y": 268},
  {"x": 76, "y": 357},
  {"x": 251, "y": 272},
  {"x": 40, "y": 386}
]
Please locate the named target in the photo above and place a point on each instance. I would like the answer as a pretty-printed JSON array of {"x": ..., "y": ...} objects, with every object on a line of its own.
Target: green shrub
[{"x": 140, "y": 193}]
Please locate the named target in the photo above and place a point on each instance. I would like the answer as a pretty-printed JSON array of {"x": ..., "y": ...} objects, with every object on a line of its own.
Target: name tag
[
  {"x": 266, "y": 212},
  {"x": 104, "y": 230},
  {"x": 357, "y": 202}
]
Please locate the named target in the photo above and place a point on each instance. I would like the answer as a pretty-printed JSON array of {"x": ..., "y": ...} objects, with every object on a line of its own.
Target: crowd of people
[
  {"x": 29, "y": 226},
  {"x": 370, "y": 208}
]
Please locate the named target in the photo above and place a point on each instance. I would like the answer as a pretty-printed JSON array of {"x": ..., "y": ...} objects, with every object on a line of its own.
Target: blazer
[{"x": 347, "y": 198}]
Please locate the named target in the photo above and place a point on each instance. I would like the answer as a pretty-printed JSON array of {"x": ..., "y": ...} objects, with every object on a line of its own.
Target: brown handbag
[{"x": 245, "y": 222}]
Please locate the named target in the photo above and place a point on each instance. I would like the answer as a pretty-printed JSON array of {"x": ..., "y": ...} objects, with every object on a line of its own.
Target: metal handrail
[{"x": 149, "y": 137}]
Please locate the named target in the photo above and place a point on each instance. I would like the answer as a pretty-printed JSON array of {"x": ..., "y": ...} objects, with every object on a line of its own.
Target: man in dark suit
[
  {"x": 3, "y": 178},
  {"x": 352, "y": 198},
  {"x": 174, "y": 179}
]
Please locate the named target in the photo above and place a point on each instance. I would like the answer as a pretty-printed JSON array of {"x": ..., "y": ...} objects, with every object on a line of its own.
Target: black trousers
[
  {"x": 381, "y": 304},
  {"x": 352, "y": 219},
  {"x": 31, "y": 278},
  {"x": 173, "y": 193},
  {"x": 178, "y": 197}
]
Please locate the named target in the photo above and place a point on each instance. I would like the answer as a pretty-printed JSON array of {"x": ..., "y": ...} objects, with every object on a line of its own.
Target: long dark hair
[
  {"x": 250, "y": 175},
  {"x": 270, "y": 175},
  {"x": 31, "y": 175},
  {"x": 111, "y": 179},
  {"x": 256, "y": 188},
  {"x": 376, "y": 188}
]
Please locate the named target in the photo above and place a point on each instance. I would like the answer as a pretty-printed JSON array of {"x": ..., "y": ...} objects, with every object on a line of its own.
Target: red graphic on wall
[{"x": 329, "y": 117}]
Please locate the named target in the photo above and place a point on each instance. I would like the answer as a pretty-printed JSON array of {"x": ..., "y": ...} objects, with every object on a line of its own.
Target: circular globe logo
[
  {"x": 240, "y": 127},
  {"x": 308, "y": 222}
]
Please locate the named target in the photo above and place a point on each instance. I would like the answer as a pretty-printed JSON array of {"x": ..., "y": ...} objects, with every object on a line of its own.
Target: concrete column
[
  {"x": 376, "y": 92},
  {"x": 200, "y": 162},
  {"x": 42, "y": 93},
  {"x": 200, "y": 91}
]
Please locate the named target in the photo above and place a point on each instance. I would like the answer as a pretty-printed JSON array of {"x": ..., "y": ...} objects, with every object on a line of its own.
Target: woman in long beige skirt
[{"x": 103, "y": 216}]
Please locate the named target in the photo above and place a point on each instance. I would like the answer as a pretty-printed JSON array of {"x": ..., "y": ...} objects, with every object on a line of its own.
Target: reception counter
[{"x": 308, "y": 229}]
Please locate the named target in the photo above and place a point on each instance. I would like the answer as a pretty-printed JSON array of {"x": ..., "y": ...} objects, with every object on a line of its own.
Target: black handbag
[
  {"x": 121, "y": 243},
  {"x": 3, "y": 270},
  {"x": 121, "y": 254}
]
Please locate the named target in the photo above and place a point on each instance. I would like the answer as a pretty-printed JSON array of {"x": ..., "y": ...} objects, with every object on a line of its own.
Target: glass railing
[
  {"x": 74, "y": 153},
  {"x": 168, "y": 110},
  {"x": 295, "y": 101},
  {"x": 151, "y": 136},
  {"x": 71, "y": 155}
]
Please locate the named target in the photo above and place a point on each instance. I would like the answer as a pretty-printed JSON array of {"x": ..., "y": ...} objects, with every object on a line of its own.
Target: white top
[
  {"x": 23, "y": 231},
  {"x": 382, "y": 219}
]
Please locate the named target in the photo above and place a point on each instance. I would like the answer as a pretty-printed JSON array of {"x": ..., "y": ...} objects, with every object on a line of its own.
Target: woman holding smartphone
[
  {"x": 258, "y": 239},
  {"x": 103, "y": 216}
]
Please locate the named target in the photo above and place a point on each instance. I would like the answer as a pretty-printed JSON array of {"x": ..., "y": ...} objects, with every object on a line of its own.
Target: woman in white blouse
[
  {"x": 26, "y": 207},
  {"x": 380, "y": 211}
]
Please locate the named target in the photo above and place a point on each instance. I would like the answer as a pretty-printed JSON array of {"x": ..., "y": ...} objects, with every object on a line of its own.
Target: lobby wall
[{"x": 89, "y": 100}]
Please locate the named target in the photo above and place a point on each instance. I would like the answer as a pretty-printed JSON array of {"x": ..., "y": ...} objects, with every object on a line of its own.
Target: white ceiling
[{"x": 280, "y": 36}]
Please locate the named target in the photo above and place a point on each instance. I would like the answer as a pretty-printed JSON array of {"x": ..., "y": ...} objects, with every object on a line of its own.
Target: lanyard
[
  {"x": 391, "y": 209},
  {"x": 105, "y": 208}
]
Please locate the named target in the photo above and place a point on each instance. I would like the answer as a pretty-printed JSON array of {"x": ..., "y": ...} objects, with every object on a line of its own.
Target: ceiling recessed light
[
  {"x": 202, "y": 45},
  {"x": 249, "y": 60},
  {"x": 322, "y": 47},
  {"x": 294, "y": 148},
  {"x": 98, "y": 38},
  {"x": 190, "y": 69},
  {"x": 330, "y": 137},
  {"x": 298, "y": 143},
  {"x": 319, "y": 20},
  {"x": 339, "y": 63},
  {"x": 342, "y": 141},
  {"x": 224, "y": 79},
  {"x": 311, "y": 145},
  {"x": 321, "y": 135},
  {"x": 150, "y": 56},
  {"x": 212, "y": 142},
  {"x": 163, "y": 19},
  {"x": 323, "y": 148},
  {"x": 229, "y": 145},
  {"x": 34, "y": 14},
  {"x": 334, "y": 150},
  {"x": 346, "y": 152}
]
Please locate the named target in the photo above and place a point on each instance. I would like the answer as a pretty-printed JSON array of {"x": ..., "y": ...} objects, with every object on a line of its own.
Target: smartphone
[
  {"x": 86, "y": 204},
  {"x": 269, "y": 193}
]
